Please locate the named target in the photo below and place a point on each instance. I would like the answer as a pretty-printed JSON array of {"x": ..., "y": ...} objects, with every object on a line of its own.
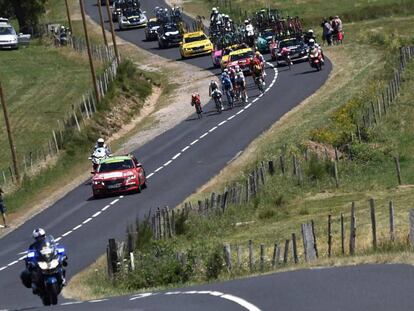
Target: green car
[{"x": 264, "y": 40}]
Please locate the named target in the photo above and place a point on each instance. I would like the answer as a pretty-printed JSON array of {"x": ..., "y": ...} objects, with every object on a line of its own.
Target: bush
[
  {"x": 215, "y": 264},
  {"x": 316, "y": 169}
]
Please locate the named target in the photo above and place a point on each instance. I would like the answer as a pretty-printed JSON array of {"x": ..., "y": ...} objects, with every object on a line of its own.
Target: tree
[{"x": 27, "y": 12}]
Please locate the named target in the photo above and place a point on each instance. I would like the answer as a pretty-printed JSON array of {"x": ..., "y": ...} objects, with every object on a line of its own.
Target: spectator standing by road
[
  {"x": 3, "y": 208},
  {"x": 327, "y": 31}
]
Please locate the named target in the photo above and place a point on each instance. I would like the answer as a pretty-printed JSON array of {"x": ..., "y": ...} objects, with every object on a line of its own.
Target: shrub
[{"x": 214, "y": 264}]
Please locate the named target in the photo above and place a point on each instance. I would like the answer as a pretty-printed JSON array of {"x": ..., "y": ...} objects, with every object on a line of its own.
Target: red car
[
  {"x": 118, "y": 174},
  {"x": 241, "y": 58}
]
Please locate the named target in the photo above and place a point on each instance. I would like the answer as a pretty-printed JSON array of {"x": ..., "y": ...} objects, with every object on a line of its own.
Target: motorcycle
[
  {"x": 216, "y": 94},
  {"x": 97, "y": 156},
  {"x": 49, "y": 265},
  {"x": 316, "y": 59}
]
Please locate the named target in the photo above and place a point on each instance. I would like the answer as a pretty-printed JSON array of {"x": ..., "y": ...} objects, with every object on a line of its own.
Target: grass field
[{"x": 41, "y": 83}]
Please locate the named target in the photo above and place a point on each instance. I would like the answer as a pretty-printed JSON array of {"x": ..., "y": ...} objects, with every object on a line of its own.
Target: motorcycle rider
[
  {"x": 100, "y": 143},
  {"x": 309, "y": 35},
  {"x": 31, "y": 277},
  {"x": 313, "y": 45},
  {"x": 249, "y": 32},
  {"x": 215, "y": 17}
]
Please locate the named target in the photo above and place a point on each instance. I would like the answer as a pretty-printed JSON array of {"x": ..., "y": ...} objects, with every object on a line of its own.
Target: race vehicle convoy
[
  {"x": 8, "y": 36},
  {"x": 298, "y": 50},
  {"x": 241, "y": 58},
  {"x": 169, "y": 35},
  {"x": 132, "y": 18},
  {"x": 118, "y": 174},
  {"x": 195, "y": 43}
]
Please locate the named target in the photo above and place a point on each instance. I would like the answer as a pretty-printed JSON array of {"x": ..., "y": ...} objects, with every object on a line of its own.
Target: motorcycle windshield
[{"x": 48, "y": 249}]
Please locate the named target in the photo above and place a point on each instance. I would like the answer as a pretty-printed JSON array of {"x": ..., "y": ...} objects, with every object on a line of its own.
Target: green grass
[{"x": 40, "y": 83}]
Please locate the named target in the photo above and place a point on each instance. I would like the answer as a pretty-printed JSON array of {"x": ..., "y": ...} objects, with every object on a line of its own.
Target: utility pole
[
  {"x": 112, "y": 31},
  {"x": 68, "y": 14},
  {"x": 88, "y": 45},
  {"x": 98, "y": 3},
  {"x": 9, "y": 134}
]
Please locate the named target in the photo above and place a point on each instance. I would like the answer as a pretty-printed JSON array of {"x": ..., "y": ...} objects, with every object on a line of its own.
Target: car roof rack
[{"x": 4, "y": 20}]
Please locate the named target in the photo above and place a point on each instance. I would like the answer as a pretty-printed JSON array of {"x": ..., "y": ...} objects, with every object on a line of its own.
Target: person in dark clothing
[{"x": 3, "y": 208}]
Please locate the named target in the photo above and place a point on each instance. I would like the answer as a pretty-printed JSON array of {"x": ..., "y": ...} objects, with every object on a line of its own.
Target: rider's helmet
[
  {"x": 310, "y": 31},
  {"x": 246, "y": 22},
  {"x": 100, "y": 142},
  {"x": 311, "y": 42},
  {"x": 39, "y": 234},
  {"x": 240, "y": 74},
  {"x": 237, "y": 68},
  {"x": 257, "y": 54},
  {"x": 214, "y": 11},
  {"x": 194, "y": 95},
  {"x": 226, "y": 16}
]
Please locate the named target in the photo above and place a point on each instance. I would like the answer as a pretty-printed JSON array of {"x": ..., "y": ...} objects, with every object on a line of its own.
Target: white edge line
[
  {"x": 167, "y": 163},
  {"x": 212, "y": 129},
  {"x": 245, "y": 304},
  {"x": 87, "y": 220},
  {"x": 12, "y": 263},
  {"x": 105, "y": 208},
  {"x": 222, "y": 122},
  {"x": 176, "y": 156},
  {"x": 204, "y": 135},
  {"x": 77, "y": 227},
  {"x": 193, "y": 142},
  {"x": 229, "y": 118},
  {"x": 21, "y": 258},
  {"x": 67, "y": 233},
  {"x": 158, "y": 169},
  {"x": 184, "y": 149},
  {"x": 97, "y": 300},
  {"x": 114, "y": 201},
  {"x": 97, "y": 214},
  {"x": 58, "y": 239},
  {"x": 2, "y": 268}
]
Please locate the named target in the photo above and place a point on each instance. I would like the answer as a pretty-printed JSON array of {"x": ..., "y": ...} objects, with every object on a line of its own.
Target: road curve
[{"x": 177, "y": 161}]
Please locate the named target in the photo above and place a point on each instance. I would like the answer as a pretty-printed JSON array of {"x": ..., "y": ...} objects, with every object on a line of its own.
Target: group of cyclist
[{"x": 233, "y": 83}]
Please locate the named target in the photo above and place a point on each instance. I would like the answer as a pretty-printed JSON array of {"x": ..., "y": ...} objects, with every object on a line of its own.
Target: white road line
[
  {"x": 87, "y": 220},
  {"x": 247, "y": 106},
  {"x": 194, "y": 142},
  {"x": 168, "y": 163},
  {"x": 105, "y": 208},
  {"x": 149, "y": 176},
  {"x": 114, "y": 201},
  {"x": 97, "y": 300},
  {"x": 176, "y": 156},
  {"x": 121, "y": 196},
  {"x": 212, "y": 129},
  {"x": 2, "y": 268},
  {"x": 71, "y": 303},
  {"x": 67, "y": 233},
  {"x": 96, "y": 214},
  {"x": 172, "y": 293},
  {"x": 245, "y": 304},
  {"x": 204, "y": 135},
  {"x": 158, "y": 169},
  {"x": 222, "y": 122},
  {"x": 255, "y": 100},
  {"x": 240, "y": 111},
  {"x": 58, "y": 239},
  {"x": 22, "y": 253},
  {"x": 21, "y": 258},
  {"x": 12, "y": 263},
  {"x": 184, "y": 149},
  {"x": 77, "y": 227},
  {"x": 142, "y": 296},
  {"x": 229, "y": 118}
]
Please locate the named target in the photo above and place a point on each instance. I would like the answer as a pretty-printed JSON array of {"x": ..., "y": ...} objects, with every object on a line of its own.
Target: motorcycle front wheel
[{"x": 52, "y": 292}]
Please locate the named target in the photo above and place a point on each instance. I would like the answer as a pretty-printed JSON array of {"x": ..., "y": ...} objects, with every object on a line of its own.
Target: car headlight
[{"x": 98, "y": 182}]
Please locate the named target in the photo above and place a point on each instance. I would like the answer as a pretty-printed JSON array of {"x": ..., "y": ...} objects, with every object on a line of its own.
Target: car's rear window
[
  {"x": 195, "y": 39},
  {"x": 288, "y": 43},
  {"x": 241, "y": 56},
  {"x": 116, "y": 166},
  {"x": 153, "y": 24}
]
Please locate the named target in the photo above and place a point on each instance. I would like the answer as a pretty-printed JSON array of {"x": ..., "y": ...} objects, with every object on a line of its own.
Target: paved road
[
  {"x": 357, "y": 288},
  {"x": 178, "y": 162}
]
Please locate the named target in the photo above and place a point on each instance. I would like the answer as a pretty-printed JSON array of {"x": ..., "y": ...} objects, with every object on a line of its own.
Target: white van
[{"x": 8, "y": 36}]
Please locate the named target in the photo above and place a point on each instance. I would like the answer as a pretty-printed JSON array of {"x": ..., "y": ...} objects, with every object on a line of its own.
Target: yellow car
[
  {"x": 194, "y": 44},
  {"x": 226, "y": 53}
]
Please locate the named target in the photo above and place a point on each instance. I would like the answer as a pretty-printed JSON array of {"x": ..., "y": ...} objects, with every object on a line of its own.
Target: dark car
[
  {"x": 298, "y": 50},
  {"x": 151, "y": 29},
  {"x": 169, "y": 35}
]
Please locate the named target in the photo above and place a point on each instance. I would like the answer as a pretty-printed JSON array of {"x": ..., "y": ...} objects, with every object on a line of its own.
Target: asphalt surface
[{"x": 177, "y": 161}]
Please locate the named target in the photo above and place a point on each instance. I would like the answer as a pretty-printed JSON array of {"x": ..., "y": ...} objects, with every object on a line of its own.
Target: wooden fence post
[
  {"x": 391, "y": 208},
  {"x": 329, "y": 236},
  {"x": 294, "y": 248},
  {"x": 239, "y": 256},
  {"x": 342, "y": 235},
  {"x": 282, "y": 163},
  {"x": 308, "y": 242},
  {"x": 398, "y": 169},
  {"x": 352, "y": 231},
  {"x": 251, "y": 259},
  {"x": 276, "y": 254},
  {"x": 271, "y": 168},
  {"x": 336, "y": 174},
  {"x": 262, "y": 257},
  {"x": 227, "y": 256},
  {"x": 113, "y": 257},
  {"x": 373, "y": 223},
  {"x": 286, "y": 254},
  {"x": 314, "y": 239}
]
